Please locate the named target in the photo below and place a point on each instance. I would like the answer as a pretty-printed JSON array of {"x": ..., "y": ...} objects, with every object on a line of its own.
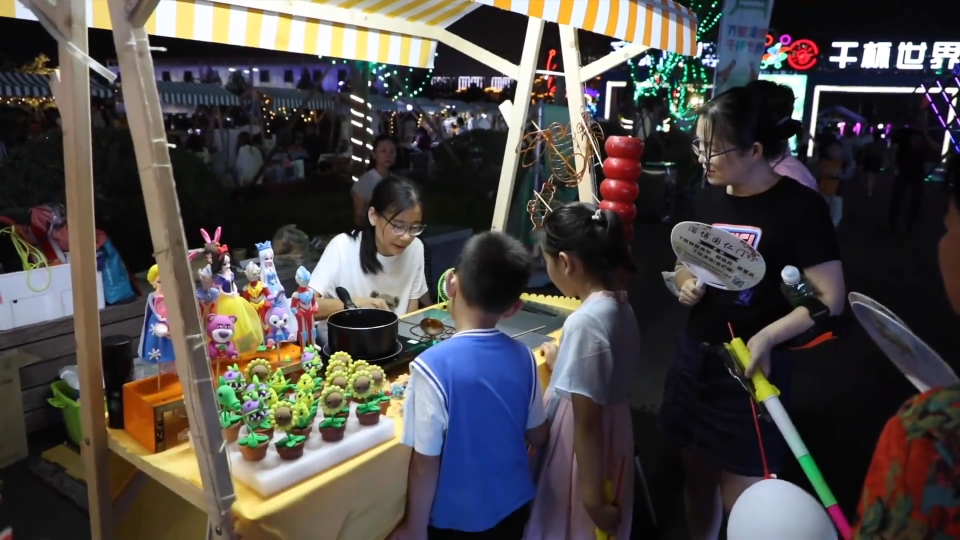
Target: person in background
[
  {"x": 587, "y": 402},
  {"x": 313, "y": 143},
  {"x": 911, "y": 151},
  {"x": 911, "y": 485},
  {"x": 249, "y": 161},
  {"x": 871, "y": 159},
  {"x": 780, "y": 98},
  {"x": 384, "y": 156},
  {"x": 831, "y": 177},
  {"x": 198, "y": 145},
  {"x": 473, "y": 403}
]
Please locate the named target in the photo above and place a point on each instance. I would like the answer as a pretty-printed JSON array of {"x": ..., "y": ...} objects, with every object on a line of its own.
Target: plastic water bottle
[{"x": 795, "y": 288}]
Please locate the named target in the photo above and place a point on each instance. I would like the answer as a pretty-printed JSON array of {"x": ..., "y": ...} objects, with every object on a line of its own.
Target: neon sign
[
  {"x": 907, "y": 55},
  {"x": 800, "y": 54},
  {"x": 551, "y": 66}
]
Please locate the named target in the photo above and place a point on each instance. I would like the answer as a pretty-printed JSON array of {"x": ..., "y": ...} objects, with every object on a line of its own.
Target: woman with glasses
[
  {"x": 705, "y": 410},
  {"x": 381, "y": 262}
]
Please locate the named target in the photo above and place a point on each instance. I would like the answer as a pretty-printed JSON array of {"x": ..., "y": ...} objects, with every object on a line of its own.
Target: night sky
[{"x": 502, "y": 32}]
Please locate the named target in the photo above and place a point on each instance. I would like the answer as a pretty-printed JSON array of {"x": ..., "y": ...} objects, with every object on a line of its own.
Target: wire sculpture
[{"x": 559, "y": 145}]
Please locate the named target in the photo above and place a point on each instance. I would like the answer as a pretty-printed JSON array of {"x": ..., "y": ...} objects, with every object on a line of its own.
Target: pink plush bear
[{"x": 220, "y": 331}]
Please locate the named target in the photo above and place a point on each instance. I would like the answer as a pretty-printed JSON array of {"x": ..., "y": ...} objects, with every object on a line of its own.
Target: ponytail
[{"x": 593, "y": 235}]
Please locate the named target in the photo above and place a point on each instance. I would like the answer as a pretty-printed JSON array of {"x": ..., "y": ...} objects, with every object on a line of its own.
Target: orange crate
[{"x": 150, "y": 406}]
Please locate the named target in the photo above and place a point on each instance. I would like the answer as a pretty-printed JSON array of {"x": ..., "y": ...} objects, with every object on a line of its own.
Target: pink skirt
[{"x": 558, "y": 513}]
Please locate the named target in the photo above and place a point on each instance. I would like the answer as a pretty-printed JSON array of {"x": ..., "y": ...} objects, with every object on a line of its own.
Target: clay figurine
[
  {"x": 230, "y": 408},
  {"x": 339, "y": 378},
  {"x": 335, "y": 365},
  {"x": 253, "y": 447},
  {"x": 359, "y": 365},
  {"x": 248, "y": 331},
  {"x": 279, "y": 383},
  {"x": 256, "y": 292},
  {"x": 156, "y": 347},
  {"x": 259, "y": 367},
  {"x": 262, "y": 390},
  {"x": 308, "y": 399},
  {"x": 310, "y": 361},
  {"x": 304, "y": 418},
  {"x": 270, "y": 279},
  {"x": 259, "y": 418},
  {"x": 342, "y": 358},
  {"x": 206, "y": 293},
  {"x": 381, "y": 395},
  {"x": 235, "y": 379},
  {"x": 304, "y": 304},
  {"x": 286, "y": 417},
  {"x": 361, "y": 388},
  {"x": 220, "y": 331},
  {"x": 276, "y": 324},
  {"x": 332, "y": 402}
]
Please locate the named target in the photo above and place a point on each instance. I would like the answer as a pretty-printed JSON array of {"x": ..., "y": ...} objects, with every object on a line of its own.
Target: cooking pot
[{"x": 363, "y": 333}]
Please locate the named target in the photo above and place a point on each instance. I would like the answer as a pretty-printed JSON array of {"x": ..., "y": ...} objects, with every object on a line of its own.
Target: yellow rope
[{"x": 30, "y": 256}]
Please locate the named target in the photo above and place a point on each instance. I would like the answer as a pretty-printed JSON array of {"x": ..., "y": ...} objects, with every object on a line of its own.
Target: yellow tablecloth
[{"x": 361, "y": 499}]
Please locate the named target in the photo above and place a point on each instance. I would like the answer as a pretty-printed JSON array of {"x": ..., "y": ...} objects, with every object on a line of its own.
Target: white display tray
[{"x": 272, "y": 474}]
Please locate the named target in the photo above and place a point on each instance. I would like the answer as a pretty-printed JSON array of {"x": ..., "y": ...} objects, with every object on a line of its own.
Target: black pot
[{"x": 363, "y": 333}]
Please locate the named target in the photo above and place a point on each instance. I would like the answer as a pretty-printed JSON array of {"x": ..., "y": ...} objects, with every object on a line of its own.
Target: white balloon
[{"x": 778, "y": 509}]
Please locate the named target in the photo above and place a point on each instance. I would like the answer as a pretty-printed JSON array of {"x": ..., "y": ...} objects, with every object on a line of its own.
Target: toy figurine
[
  {"x": 248, "y": 327},
  {"x": 304, "y": 304},
  {"x": 207, "y": 294},
  {"x": 275, "y": 291},
  {"x": 156, "y": 347},
  {"x": 220, "y": 331},
  {"x": 256, "y": 292},
  {"x": 277, "y": 319}
]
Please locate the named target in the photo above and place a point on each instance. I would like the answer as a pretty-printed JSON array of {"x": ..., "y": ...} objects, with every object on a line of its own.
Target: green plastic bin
[{"x": 71, "y": 409}]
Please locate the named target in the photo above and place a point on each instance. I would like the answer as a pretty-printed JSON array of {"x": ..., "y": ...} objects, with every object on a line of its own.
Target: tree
[
  {"x": 237, "y": 83},
  {"x": 38, "y": 66}
]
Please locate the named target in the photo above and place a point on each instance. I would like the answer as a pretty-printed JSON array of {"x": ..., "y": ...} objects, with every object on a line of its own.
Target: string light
[{"x": 681, "y": 76}]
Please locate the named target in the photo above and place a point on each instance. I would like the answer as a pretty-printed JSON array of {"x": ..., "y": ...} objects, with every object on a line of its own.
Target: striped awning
[
  {"x": 291, "y": 98},
  {"x": 15, "y": 84},
  {"x": 195, "y": 94},
  {"x": 460, "y": 106},
  {"x": 380, "y": 103},
  {"x": 660, "y": 24}
]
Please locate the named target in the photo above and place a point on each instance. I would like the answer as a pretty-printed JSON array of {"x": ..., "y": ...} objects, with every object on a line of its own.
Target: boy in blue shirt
[{"x": 473, "y": 404}]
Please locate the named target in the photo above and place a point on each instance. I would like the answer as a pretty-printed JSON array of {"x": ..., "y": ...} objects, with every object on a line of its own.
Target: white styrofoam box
[
  {"x": 272, "y": 474},
  {"x": 37, "y": 296}
]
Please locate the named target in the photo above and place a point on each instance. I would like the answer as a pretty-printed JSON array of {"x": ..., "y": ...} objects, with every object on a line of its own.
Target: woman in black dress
[{"x": 705, "y": 410}]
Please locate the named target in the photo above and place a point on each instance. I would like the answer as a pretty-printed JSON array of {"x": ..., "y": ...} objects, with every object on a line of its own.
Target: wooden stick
[
  {"x": 570, "y": 48},
  {"x": 170, "y": 250},
  {"x": 74, "y": 104}
]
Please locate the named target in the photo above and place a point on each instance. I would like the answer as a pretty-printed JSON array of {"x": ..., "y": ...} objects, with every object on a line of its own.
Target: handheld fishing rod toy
[{"x": 768, "y": 397}]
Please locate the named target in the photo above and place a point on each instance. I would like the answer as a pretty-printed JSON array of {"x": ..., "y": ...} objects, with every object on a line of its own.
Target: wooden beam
[
  {"x": 73, "y": 100},
  {"x": 140, "y": 11},
  {"x": 43, "y": 8},
  {"x": 570, "y": 48},
  {"x": 170, "y": 249},
  {"x": 611, "y": 60},
  {"x": 517, "y": 122},
  {"x": 382, "y": 23}
]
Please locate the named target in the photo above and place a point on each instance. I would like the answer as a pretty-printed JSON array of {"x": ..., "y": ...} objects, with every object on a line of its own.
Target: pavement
[{"x": 845, "y": 390}]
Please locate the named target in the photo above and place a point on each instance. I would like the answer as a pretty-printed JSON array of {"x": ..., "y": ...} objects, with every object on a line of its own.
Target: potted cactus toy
[
  {"x": 332, "y": 401},
  {"x": 253, "y": 447},
  {"x": 362, "y": 388},
  {"x": 235, "y": 379},
  {"x": 230, "y": 406},
  {"x": 286, "y": 416}
]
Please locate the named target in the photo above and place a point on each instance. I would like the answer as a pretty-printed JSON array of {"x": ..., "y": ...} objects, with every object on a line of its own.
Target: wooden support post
[
  {"x": 570, "y": 48},
  {"x": 170, "y": 249},
  {"x": 517, "y": 122},
  {"x": 73, "y": 100}
]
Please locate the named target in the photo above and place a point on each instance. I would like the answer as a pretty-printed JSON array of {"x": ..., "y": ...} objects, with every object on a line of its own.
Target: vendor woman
[{"x": 381, "y": 262}]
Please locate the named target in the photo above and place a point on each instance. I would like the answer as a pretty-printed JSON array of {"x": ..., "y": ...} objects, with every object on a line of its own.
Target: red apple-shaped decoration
[
  {"x": 621, "y": 168},
  {"x": 626, "y": 211},
  {"x": 623, "y": 147},
  {"x": 619, "y": 190}
]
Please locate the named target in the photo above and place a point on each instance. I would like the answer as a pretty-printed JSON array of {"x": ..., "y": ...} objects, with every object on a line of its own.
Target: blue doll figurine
[{"x": 156, "y": 347}]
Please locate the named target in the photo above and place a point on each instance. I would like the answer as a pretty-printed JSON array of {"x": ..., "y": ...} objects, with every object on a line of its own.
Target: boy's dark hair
[{"x": 493, "y": 271}]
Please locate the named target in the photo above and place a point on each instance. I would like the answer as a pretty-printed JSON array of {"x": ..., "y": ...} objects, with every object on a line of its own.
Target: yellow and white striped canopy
[{"x": 660, "y": 24}]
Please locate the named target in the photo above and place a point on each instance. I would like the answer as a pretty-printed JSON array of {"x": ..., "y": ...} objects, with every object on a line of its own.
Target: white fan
[{"x": 442, "y": 295}]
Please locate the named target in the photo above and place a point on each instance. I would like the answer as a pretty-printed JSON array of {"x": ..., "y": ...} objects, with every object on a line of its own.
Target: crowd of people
[{"x": 495, "y": 457}]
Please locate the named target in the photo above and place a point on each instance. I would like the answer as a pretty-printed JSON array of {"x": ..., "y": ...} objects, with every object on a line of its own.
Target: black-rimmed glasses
[
  {"x": 400, "y": 229},
  {"x": 706, "y": 153}
]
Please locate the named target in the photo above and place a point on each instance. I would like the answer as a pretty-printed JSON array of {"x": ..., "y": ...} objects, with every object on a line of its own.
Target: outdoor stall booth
[{"x": 353, "y": 489}]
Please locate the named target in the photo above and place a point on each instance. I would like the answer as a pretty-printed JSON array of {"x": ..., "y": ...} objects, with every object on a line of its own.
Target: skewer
[{"x": 527, "y": 332}]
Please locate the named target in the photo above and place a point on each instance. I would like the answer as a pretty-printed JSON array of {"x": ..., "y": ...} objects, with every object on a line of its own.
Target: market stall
[
  {"x": 30, "y": 89},
  {"x": 195, "y": 345}
]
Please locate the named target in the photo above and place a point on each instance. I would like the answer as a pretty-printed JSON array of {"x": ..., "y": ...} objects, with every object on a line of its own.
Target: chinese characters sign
[
  {"x": 905, "y": 55},
  {"x": 741, "y": 42},
  {"x": 717, "y": 257}
]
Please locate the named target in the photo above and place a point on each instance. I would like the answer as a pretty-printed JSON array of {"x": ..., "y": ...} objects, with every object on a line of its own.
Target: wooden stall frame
[{"x": 166, "y": 228}]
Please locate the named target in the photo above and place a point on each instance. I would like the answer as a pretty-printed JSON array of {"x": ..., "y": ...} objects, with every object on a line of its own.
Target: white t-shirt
[
  {"x": 249, "y": 161},
  {"x": 599, "y": 351},
  {"x": 365, "y": 184},
  {"x": 401, "y": 280},
  {"x": 425, "y": 419}
]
